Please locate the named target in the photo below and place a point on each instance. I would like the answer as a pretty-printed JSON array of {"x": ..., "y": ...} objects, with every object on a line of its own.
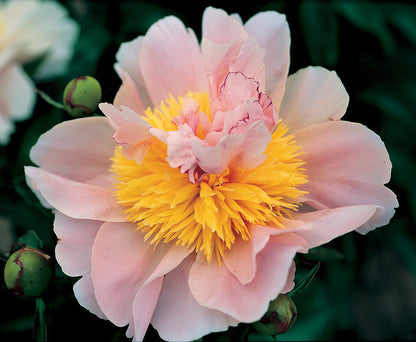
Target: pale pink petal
[
  {"x": 178, "y": 317},
  {"x": 220, "y": 28},
  {"x": 347, "y": 164},
  {"x": 313, "y": 95},
  {"x": 171, "y": 61},
  {"x": 271, "y": 32},
  {"x": 128, "y": 95},
  {"x": 84, "y": 293},
  {"x": 290, "y": 282},
  {"x": 128, "y": 57},
  {"x": 17, "y": 96},
  {"x": 144, "y": 305},
  {"x": 122, "y": 263},
  {"x": 215, "y": 287},
  {"x": 75, "y": 199},
  {"x": 131, "y": 131},
  {"x": 77, "y": 149},
  {"x": 75, "y": 240},
  {"x": 241, "y": 258},
  {"x": 320, "y": 227}
]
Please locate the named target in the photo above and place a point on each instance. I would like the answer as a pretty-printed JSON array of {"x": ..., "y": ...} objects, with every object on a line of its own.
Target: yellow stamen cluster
[{"x": 211, "y": 214}]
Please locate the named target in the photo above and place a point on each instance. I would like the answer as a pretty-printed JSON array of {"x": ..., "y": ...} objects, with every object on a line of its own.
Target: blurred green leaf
[
  {"x": 324, "y": 254},
  {"x": 260, "y": 337},
  {"x": 31, "y": 239},
  {"x": 320, "y": 30},
  {"x": 403, "y": 17},
  {"x": 301, "y": 285},
  {"x": 370, "y": 17}
]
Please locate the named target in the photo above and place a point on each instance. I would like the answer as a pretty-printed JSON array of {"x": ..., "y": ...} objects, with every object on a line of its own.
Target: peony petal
[
  {"x": 313, "y": 95},
  {"x": 84, "y": 293},
  {"x": 127, "y": 95},
  {"x": 290, "y": 282},
  {"x": 75, "y": 240},
  {"x": 74, "y": 199},
  {"x": 178, "y": 317},
  {"x": 17, "y": 96},
  {"x": 320, "y": 227},
  {"x": 122, "y": 263},
  {"x": 130, "y": 130},
  {"x": 221, "y": 28},
  {"x": 215, "y": 287},
  {"x": 144, "y": 305},
  {"x": 242, "y": 150},
  {"x": 271, "y": 32},
  {"x": 171, "y": 61},
  {"x": 347, "y": 164},
  {"x": 128, "y": 59},
  {"x": 78, "y": 149},
  {"x": 241, "y": 258}
]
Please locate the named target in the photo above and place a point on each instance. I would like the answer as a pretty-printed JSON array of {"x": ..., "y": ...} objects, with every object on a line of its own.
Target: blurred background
[{"x": 368, "y": 290}]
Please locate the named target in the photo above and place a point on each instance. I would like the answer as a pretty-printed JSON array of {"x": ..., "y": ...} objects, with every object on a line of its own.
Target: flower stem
[
  {"x": 50, "y": 100},
  {"x": 39, "y": 328}
]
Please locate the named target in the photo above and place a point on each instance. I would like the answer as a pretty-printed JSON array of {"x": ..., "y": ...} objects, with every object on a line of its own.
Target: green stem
[
  {"x": 50, "y": 100},
  {"x": 39, "y": 329}
]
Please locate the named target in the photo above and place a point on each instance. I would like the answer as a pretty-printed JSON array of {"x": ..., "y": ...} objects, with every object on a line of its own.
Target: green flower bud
[
  {"x": 82, "y": 96},
  {"x": 279, "y": 318},
  {"x": 28, "y": 272}
]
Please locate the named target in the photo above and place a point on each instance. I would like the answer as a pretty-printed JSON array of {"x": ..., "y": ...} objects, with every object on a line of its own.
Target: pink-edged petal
[
  {"x": 171, "y": 61},
  {"x": 290, "y": 281},
  {"x": 271, "y": 32},
  {"x": 127, "y": 95},
  {"x": 75, "y": 240},
  {"x": 17, "y": 96},
  {"x": 129, "y": 60},
  {"x": 122, "y": 263},
  {"x": 74, "y": 199},
  {"x": 215, "y": 287},
  {"x": 320, "y": 227},
  {"x": 313, "y": 95},
  {"x": 78, "y": 149},
  {"x": 131, "y": 131},
  {"x": 178, "y": 317},
  {"x": 243, "y": 150},
  {"x": 347, "y": 164},
  {"x": 84, "y": 293},
  {"x": 221, "y": 28},
  {"x": 241, "y": 258}
]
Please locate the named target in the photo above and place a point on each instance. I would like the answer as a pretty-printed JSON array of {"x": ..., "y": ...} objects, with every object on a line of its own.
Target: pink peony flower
[
  {"x": 30, "y": 30},
  {"x": 185, "y": 206}
]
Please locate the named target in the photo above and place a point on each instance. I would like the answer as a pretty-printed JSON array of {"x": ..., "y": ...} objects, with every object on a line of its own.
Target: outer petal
[
  {"x": 347, "y": 164},
  {"x": 128, "y": 95},
  {"x": 215, "y": 287},
  {"x": 84, "y": 293},
  {"x": 128, "y": 58},
  {"x": 74, "y": 199},
  {"x": 78, "y": 149},
  {"x": 320, "y": 227},
  {"x": 171, "y": 61},
  {"x": 75, "y": 240},
  {"x": 178, "y": 317},
  {"x": 271, "y": 32},
  {"x": 313, "y": 95},
  {"x": 122, "y": 264}
]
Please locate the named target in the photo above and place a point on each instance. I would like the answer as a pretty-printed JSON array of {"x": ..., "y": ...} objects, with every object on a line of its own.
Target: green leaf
[
  {"x": 324, "y": 254},
  {"x": 368, "y": 17},
  {"x": 301, "y": 285},
  {"x": 403, "y": 17},
  {"x": 260, "y": 337},
  {"x": 320, "y": 29},
  {"x": 31, "y": 239}
]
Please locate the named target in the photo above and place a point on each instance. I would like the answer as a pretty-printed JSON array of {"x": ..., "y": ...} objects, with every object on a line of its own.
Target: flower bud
[
  {"x": 82, "y": 95},
  {"x": 27, "y": 272},
  {"x": 280, "y": 316}
]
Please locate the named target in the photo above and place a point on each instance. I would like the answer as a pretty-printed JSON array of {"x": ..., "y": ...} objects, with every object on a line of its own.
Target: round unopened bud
[
  {"x": 82, "y": 95},
  {"x": 279, "y": 318},
  {"x": 28, "y": 272}
]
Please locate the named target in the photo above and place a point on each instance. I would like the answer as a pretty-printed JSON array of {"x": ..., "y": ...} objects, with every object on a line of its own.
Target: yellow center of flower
[{"x": 211, "y": 214}]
